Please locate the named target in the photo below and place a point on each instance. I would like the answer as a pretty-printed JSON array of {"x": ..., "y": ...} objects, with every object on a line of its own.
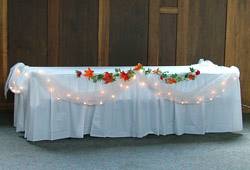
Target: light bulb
[
  {"x": 213, "y": 92},
  {"x": 51, "y": 89},
  {"x": 142, "y": 83},
  {"x": 26, "y": 75},
  {"x": 18, "y": 72},
  {"x": 101, "y": 102},
  {"x": 113, "y": 96}
]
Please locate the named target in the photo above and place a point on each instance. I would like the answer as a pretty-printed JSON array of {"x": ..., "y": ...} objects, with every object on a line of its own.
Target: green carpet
[{"x": 229, "y": 151}]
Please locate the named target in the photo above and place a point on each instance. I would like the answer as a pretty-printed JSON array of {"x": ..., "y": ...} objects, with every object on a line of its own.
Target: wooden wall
[{"x": 118, "y": 32}]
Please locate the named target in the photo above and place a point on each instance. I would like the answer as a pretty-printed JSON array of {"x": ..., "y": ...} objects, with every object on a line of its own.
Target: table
[{"x": 52, "y": 103}]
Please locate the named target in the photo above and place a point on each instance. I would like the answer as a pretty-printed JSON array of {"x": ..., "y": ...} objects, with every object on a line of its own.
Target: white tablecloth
[{"x": 135, "y": 112}]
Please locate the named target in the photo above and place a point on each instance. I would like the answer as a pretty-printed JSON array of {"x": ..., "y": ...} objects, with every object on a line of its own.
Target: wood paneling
[
  {"x": 128, "y": 32},
  {"x": 202, "y": 31},
  {"x": 169, "y": 3},
  {"x": 154, "y": 32},
  {"x": 3, "y": 46},
  {"x": 168, "y": 34},
  {"x": 53, "y": 32},
  {"x": 78, "y": 32},
  {"x": 103, "y": 32},
  {"x": 124, "y": 32},
  {"x": 238, "y": 43},
  {"x": 27, "y": 32}
]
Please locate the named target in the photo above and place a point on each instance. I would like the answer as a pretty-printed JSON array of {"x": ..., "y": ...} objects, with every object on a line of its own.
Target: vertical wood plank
[
  {"x": 238, "y": 44},
  {"x": 53, "y": 32},
  {"x": 182, "y": 33},
  {"x": 201, "y": 31},
  {"x": 168, "y": 30},
  {"x": 103, "y": 32},
  {"x": 3, "y": 46},
  {"x": 28, "y": 32},
  {"x": 78, "y": 32},
  {"x": 128, "y": 32},
  {"x": 154, "y": 32}
]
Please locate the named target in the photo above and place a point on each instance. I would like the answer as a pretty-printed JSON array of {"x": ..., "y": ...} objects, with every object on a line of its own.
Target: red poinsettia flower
[
  {"x": 171, "y": 80},
  {"x": 191, "y": 77},
  {"x": 89, "y": 73},
  {"x": 157, "y": 71},
  {"x": 78, "y": 73},
  {"x": 161, "y": 78},
  {"x": 197, "y": 72},
  {"x": 124, "y": 76},
  {"x": 107, "y": 78},
  {"x": 138, "y": 67}
]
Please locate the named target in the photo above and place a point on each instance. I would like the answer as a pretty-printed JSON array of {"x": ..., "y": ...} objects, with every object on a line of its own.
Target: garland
[{"x": 108, "y": 77}]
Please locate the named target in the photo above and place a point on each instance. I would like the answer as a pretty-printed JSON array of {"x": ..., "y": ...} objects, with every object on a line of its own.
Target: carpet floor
[{"x": 223, "y": 151}]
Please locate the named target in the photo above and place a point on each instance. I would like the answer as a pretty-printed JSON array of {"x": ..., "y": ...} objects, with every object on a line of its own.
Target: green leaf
[{"x": 192, "y": 69}]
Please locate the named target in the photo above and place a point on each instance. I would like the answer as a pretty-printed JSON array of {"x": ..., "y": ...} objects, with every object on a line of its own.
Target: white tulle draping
[{"x": 66, "y": 86}]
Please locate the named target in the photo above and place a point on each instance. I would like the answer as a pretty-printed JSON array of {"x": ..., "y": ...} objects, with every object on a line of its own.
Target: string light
[
  {"x": 18, "y": 89},
  {"x": 51, "y": 89},
  {"x": 18, "y": 72},
  {"x": 213, "y": 92},
  {"x": 26, "y": 75},
  {"x": 142, "y": 83}
]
